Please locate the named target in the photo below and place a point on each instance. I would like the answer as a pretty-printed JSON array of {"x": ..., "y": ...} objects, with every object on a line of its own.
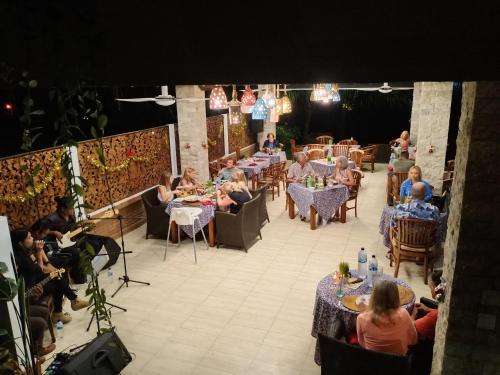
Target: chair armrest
[
  {"x": 429, "y": 302},
  {"x": 226, "y": 218}
]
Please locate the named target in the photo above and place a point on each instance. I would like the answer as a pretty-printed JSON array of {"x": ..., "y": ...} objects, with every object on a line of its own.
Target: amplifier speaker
[{"x": 105, "y": 355}]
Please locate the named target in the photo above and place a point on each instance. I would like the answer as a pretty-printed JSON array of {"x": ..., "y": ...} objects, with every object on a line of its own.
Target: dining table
[
  {"x": 323, "y": 168},
  {"x": 324, "y": 202},
  {"x": 329, "y": 305},
  {"x": 207, "y": 217},
  {"x": 252, "y": 167},
  {"x": 274, "y": 158}
]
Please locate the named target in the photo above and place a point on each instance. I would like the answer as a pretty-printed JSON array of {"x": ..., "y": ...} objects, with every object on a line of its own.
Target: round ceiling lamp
[{"x": 218, "y": 99}]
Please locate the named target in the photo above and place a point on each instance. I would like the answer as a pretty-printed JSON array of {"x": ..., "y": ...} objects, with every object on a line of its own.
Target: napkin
[
  {"x": 252, "y": 164},
  {"x": 208, "y": 203}
]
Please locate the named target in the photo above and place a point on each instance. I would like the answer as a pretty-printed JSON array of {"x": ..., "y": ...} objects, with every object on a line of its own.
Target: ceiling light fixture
[
  {"x": 218, "y": 99},
  {"x": 234, "y": 108},
  {"x": 259, "y": 110}
]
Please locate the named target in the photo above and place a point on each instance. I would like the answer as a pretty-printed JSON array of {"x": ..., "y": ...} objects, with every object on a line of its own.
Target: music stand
[{"x": 98, "y": 264}]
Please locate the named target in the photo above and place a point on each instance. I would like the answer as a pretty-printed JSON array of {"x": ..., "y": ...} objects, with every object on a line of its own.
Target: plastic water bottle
[
  {"x": 372, "y": 270},
  {"x": 110, "y": 274},
  {"x": 59, "y": 329},
  {"x": 362, "y": 263},
  {"x": 89, "y": 278}
]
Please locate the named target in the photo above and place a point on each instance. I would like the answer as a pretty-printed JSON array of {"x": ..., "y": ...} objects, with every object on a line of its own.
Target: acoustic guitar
[
  {"x": 66, "y": 240},
  {"x": 57, "y": 273}
]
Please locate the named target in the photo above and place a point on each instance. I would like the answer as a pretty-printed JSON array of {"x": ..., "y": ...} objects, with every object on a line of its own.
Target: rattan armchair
[
  {"x": 356, "y": 156},
  {"x": 397, "y": 179},
  {"x": 324, "y": 139},
  {"x": 271, "y": 176},
  {"x": 315, "y": 154},
  {"x": 370, "y": 153},
  {"x": 349, "y": 142},
  {"x": 341, "y": 150},
  {"x": 412, "y": 239},
  {"x": 156, "y": 218},
  {"x": 353, "y": 194}
]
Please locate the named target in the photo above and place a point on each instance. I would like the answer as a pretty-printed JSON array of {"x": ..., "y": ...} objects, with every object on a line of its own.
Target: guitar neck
[{"x": 41, "y": 283}]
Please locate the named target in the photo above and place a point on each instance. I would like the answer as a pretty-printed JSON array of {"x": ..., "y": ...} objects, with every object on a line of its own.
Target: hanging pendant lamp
[
  {"x": 218, "y": 99},
  {"x": 234, "y": 108},
  {"x": 269, "y": 99},
  {"x": 259, "y": 110},
  {"x": 247, "y": 100},
  {"x": 335, "y": 93},
  {"x": 286, "y": 104}
]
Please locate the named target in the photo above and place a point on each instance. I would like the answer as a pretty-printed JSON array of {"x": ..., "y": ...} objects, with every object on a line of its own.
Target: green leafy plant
[{"x": 344, "y": 269}]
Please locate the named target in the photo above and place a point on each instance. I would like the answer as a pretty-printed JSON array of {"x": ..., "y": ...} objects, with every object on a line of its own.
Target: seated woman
[
  {"x": 230, "y": 197},
  {"x": 188, "y": 181},
  {"x": 38, "y": 317},
  {"x": 426, "y": 317},
  {"x": 240, "y": 181},
  {"x": 414, "y": 175},
  {"x": 28, "y": 258},
  {"x": 165, "y": 192},
  {"x": 271, "y": 143},
  {"x": 386, "y": 326},
  {"x": 342, "y": 174},
  {"x": 404, "y": 140}
]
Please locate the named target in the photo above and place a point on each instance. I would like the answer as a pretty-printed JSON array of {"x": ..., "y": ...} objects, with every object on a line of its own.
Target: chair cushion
[{"x": 408, "y": 248}]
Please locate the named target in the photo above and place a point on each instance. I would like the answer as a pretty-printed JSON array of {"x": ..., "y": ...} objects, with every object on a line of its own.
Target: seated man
[
  {"x": 426, "y": 317},
  {"x": 227, "y": 172},
  {"x": 301, "y": 168},
  {"x": 403, "y": 164}
]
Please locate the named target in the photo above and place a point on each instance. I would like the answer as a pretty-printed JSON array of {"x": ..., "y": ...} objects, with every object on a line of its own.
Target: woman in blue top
[
  {"x": 414, "y": 175},
  {"x": 271, "y": 142}
]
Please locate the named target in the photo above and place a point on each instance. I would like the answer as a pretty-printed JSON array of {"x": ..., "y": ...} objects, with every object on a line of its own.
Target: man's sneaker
[
  {"x": 62, "y": 316},
  {"x": 78, "y": 304}
]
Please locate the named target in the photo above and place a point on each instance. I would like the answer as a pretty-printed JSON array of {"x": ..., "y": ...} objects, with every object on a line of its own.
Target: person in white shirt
[{"x": 301, "y": 168}]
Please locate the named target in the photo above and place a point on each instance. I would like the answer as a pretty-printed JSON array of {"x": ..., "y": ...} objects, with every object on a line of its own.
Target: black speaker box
[{"x": 105, "y": 355}]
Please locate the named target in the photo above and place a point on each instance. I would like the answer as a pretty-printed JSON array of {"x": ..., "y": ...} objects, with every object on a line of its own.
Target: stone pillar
[
  {"x": 192, "y": 119},
  {"x": 433, "y": 124},
  {"x": 468, "y": 328},
  {"x": 415, "y": 111},
  {"x": 269, "y": 127}
]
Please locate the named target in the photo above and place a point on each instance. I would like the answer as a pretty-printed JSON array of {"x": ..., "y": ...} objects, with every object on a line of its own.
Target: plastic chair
[{"x": 185, "y": 216}]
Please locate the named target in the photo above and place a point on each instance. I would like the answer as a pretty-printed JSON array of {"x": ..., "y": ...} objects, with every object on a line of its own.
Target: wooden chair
[
  {"x": 353, "y": 195},
  {"x": 315, "y": 154},
  {"x": 349, "y": 142},
  {"x": 356, "y": 156},
  {"x": 324, "y": 139},
  {"x": 315, "y": 146},
  {"x": 213, "y": 169},
  {"x": 271, "y": 177},
  {"x": 397, "y": 179},
  {"x": 341, "y": 150},
  {"x": 284, "y": 173},
  {"x": 370, "y": 153},
  {"x": 412, "y": 238}
]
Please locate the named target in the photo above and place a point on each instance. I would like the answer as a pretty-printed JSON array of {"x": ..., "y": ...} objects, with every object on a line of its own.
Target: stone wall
[
  {"x": 192, "y": 120},
  {"x": 468, "y": 329},
  {"x": 415, "y": 111},
  {"x": 433, "y": 124}
]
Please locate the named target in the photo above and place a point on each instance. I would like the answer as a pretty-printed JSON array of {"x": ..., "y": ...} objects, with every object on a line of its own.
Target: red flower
[{"x": 130, "y": 152}]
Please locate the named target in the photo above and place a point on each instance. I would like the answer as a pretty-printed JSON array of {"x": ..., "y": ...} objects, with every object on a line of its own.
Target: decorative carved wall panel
[
  {"x": 13, "y": 181},
  {"x": 152, "y": 144},
  {"x": 240, "y": 135},
  {"x": 215, "y": 136}
]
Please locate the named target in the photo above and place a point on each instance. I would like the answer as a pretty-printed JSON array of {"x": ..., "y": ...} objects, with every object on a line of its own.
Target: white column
[
  {"x": 269, "y": 127},
  {"x": 192, "y": 119},
  {"x": 173, "y": 149},
  {"x": 415, "y": 111},
  {"x": 433, "y": 125}
]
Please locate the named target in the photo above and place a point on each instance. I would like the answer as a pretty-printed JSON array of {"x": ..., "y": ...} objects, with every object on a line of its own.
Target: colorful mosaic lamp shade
[
  {"x": 269, "y": 99},
  {"x": 218, "y": 99},
  {"x": 248, "y": 97},
  {"x": 278, "y": 108},
  {"x": 273, "y": 116},
  {"x": 320, "y": 94},
  {"x": 259, "y": 111}
]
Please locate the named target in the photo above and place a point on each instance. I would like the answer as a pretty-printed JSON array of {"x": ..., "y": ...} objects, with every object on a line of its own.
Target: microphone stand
[{"x": 125, "y": 278}]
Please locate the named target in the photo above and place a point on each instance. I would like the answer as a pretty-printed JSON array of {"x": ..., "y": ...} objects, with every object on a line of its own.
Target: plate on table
[
  {"x": 178, "y": 200},
  {"x": 191, "y": 199},
  {"x": 360, "y": 303}
]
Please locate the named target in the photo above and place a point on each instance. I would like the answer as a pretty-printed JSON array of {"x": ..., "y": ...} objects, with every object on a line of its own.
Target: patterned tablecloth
[
  {"x": 322, "y": 168},
  {"x": 328, "y": 305},
  {"x": 208, "y": 212},
  {"x": 385, "y": 224},
  {"x": 326, "y": 202},
  {"x": 250, "y": 170},
  {"x": 274, "y": 158}
]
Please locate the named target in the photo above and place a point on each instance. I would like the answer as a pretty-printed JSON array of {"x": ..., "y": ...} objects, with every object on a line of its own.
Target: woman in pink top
[
  {"x": 342, "y": 174},
  {"x": 386, "y": 327}
]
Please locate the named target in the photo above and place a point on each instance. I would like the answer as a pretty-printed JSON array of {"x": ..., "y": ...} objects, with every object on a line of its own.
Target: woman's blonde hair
[
  {"x": 384, "y": 300},
  {"x": 419, "y": 171},
  {"x": 229, "y": 187},
  {"x": 342, "y": 162},
  {"x": 187, "y": 174},
  {"x": 165, "y": 179},
  {"x": 239, "y": 176},
  {"x": 405, "y": 135}
]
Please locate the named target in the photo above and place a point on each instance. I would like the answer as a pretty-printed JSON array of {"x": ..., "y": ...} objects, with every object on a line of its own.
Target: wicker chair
[
  {"x": 370, "y": 153},
  {"x": 156, "y": 218},
  {"x": 261, "y": 193},
  {"x": 315, "y": 146},
  {"x": 397, "y": 179},
  {"x": 284, "y": 173},
  {"x": 239, "y": 229},
  {"x": 315, "y": 154},
  {"x": 353, "y": 196},
  {"x": 324, "y": 139},
  {"x": 356, "y": 156},
  {"x": 349, "y": 142},
  {"x": 412, "y": 238},
  {"x": 341, "y": 150}
]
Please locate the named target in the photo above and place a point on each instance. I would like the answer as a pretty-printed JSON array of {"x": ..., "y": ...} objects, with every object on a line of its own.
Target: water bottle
[
  {"x": 362, "y": 263},
  {"x": 59, "y": 329},
  {"x": 372, "y": 270}
]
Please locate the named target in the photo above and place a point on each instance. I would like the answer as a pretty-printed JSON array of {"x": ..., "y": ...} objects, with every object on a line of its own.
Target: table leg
[
  {"x": 173, "y": 232},
  {"x": 211, "y": 233},
  {"x": 254, "y": 182},
  {"x": 312, "y": 216},
  {"x": 343, "y": 213},
  {"x": 291, "y": 207}
]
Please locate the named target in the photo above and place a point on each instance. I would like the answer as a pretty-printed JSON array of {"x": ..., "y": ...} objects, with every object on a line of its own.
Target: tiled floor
[{"x": 236, "y": 312}]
